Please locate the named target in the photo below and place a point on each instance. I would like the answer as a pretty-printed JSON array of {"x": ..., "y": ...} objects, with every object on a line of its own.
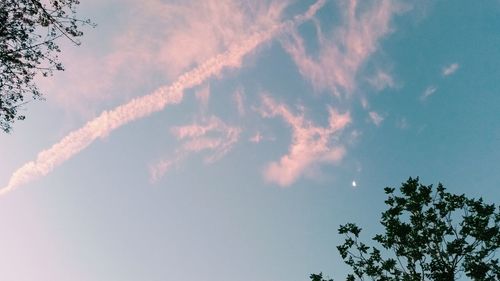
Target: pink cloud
[
  {"x": 349, "y": 46},
  {"x": 154, "y": 37},
  {"x": 157, "y": 171},
  {"x": 198, "y": 30},
  {"x": 141, "y": 107},
  {"x": 212, "y": 135},
  {"x": 310, "y": 144}
]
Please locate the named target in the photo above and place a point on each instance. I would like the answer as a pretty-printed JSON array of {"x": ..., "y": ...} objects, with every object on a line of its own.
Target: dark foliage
[
  {"x": 28, "y": 33},
  {"x": 318, "y": 277},
  {"x": 428, "y": 236}
]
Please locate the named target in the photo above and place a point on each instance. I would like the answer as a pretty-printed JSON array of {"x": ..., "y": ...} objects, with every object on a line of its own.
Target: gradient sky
[{"x": 227, "y": 140}]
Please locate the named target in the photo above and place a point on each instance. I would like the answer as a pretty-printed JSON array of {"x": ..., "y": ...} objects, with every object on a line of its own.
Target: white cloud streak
[
  {"x": 450, "y": 69},
  {"x": 144, "y": 106},
  {"x": 310, "y": 144},
  {"x": 376, "y": 118},
  {"x": 429, "y": 91}
]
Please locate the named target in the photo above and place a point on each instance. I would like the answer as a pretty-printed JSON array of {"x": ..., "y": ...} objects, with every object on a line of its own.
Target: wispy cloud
[
  {"x": 141, "y": 107},
  {"x": 364, "y": 103},
  {"x": 211, "y": 134},
  {"x": 450, "y": 69},
  {"x": 202, "y": 29},
  {"x": 376, "y": 118},
  {"x": 429, "y": 91},
  {"x": 196, "y": 137},
  {"x": 239, "y": 99},
  {"x": 257, "y": 138},
  {"x": 381, "y": 80},
  {"x": 203, "y": 95},
  {"x": 158, "y": 39},
  {"x": 310, "y": 144},
  {"x": 402, "y": 123},
  {"x": 342, "y": 54},
  {"x": 158, "y": 170}
]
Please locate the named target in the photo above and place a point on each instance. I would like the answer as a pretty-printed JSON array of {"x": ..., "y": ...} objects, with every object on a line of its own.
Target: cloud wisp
[
  {"x": 342, "y": 54},
  {"x": 211, "y": 135},
  {"x": 144, "y": 106},
  {"x": 239, "y": 99},
  {"x": 376, "y": 118},
  {"x": 310, "y": 144},
  {"x": 381, "y": 80},
  {"x": 429, "y": 91},
  {"x": 256, "y": 138},
  {"x": 450, "y": 69},
  {"x": 203, "y": 96},
  {"x": 158, "y": 39},
  {"x": 402, "y": 123}
]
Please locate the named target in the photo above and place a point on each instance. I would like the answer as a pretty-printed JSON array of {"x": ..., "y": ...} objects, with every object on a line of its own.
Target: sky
[{"x": 228, "y": 140}]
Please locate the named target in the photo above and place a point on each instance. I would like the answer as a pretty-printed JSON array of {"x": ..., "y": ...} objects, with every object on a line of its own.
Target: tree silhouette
[
  {"x": 428, "y": 236},
  {"x": 28, "y": 33},
  {"x": 318, "y": 277}
]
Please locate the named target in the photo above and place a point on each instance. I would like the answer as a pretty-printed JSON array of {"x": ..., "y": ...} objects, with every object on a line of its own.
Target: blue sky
[{"x": 228, "y": 140}]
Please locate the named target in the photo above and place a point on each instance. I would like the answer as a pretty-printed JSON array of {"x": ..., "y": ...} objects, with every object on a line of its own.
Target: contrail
[{"x": 144, "y": 106}]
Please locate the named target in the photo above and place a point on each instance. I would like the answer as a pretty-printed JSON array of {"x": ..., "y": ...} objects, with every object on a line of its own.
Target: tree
[
  {"x": 318, "y": 277},
  {"x": 28, "y": 33},
  {"x": 428, "y": 236}
]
